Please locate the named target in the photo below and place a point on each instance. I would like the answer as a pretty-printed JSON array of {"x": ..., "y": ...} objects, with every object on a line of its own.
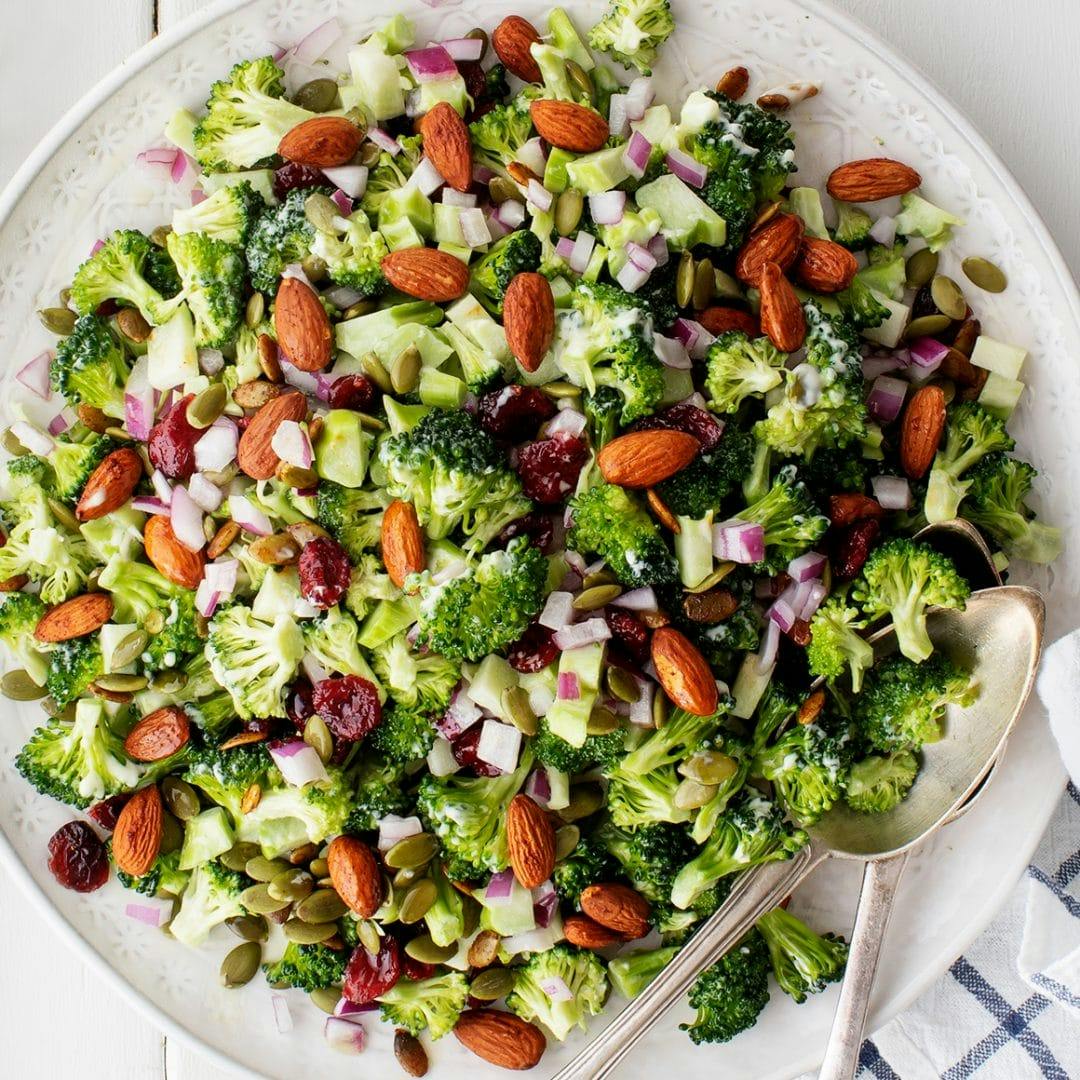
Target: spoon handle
[
  {"x": 880, "y": 879},
  {"x": 757, "y": 891}
]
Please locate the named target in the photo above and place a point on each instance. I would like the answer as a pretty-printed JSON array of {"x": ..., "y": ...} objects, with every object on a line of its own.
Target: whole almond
[
  {"x": 569, "y": 126},
  {"x": 683, "y": 673},
  {"x": 920, "y": 430},
  {"x": 402, "y": 542},
  {"x": 530, "y": 840},
  {"x": 322, "y": 141},
  {"x": 255, "y": 455},
  {"x": 355, "y": 873},
  {"x": 719, "y": 320},
  {"x": 427, "y": 274},
  {"x": 587, "y": 933},
  {"x": 512, "y": 40},
  {"x": 529, "y": 319},
  {"x": 824, "y": 266},
  {"x": 642, "y": 459},
  {"x": 447, "y": 145},
  {"x": 110, "y": 485},
  {"x": 179, "y": 564},
  {"x": 871, "y": 179},
  {"x": 75, "y": 618},
  {"x": 136, "y": 840},
  {"x": 734, "y": 83},
  {"x": 500, "y": 1038},
  {"x": 618, "y": 908},
  {"x": 777, "y": 241},
  {"x": 302, "y": 325},
  {"x": 158, "y": 735},
  {"x": 782, "y": 318}
]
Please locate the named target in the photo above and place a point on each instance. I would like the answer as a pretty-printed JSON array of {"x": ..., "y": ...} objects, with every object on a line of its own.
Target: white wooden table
[{"x": 1009, "y": 66}]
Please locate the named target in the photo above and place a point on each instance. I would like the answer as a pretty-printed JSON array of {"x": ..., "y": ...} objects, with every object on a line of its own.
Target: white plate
[{"x": 80, "y": 183}]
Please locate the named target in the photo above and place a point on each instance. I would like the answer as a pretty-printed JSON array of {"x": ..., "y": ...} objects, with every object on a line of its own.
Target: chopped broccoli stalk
[
  {"x": 633, "y": 31},
  {"x": 808, "y": 767},
  {"x": 579, "y": 970},
  {"x": 918, "y": 217},
  {"x": 228, "y": 215},
  {"x": 730, "y": 995},
  {"x": 445, "y": 919},
  {"x": 835, "y": 643},
  {"x": 880, "y": 782},
  {"x": 804, "y": 962},
  {"x": 631, "y": 972},
  {"x": 391, "y": 173},
  {"x": 434, "y": 1004},
  {"x": 739, "y": 368},
  {"x": 116, "y": 272},
  {"x": 89, "y": 367},
  {"x": 212, "y": 896},
  {"x": 517, "y": 253},
  {"x": 307, "y": 967},
  {"x": 789, "y": 516}
]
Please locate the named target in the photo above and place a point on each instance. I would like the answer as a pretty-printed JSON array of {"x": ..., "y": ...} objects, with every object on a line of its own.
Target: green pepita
[
  {"x": 172, "y": 834},
  {"x": 418, "y": 901},
  {"x": 159, "y": 235},
  {"x": 425, "y": 950},
  {"x": 295, "y": 476},
  {"x": 320, "y": 210},
  {"x": 709, "y": 767},
  {"x": 370, "y": 423},
  {"x": 684, "y": 280},
  {"x": 118, "y": 433},
  {"x": 207, "y": 405},
  {"x": 305, "y": 933},
  {"x": 180, "y": 798},
  {"x": 260, "y": 868},
  {"x": 240, "y": 965},
  {"x": 585, "y": 799},
  {"x": 65, "y": 714},
  {"x": 984, "y": 274},
  {"x": 249, "y": 927},
  {"x": 168, "y": 682},
  {"x": 321, "y": 906},
  {"x": 947, "y": 388},
  {"x": 361, "y": 307},
  {"x": 405, "y": 370},
  {"x": 479, "y": 34},
  {"x": 515, "y": 703},
  {"x": 256, "y": 308},
  {"x": 369, "y": 936},
  {"x": 689, "y": 795},
  {"x": 373, "y": 368},
  {"x": 293, "y": 885},
  {"x": 560, "y": 389},
  {"x": 566, "y": 839},
  {"x": 57, "y": 320},
  {"x": 601, "y": 721},
  {"x": 63, "y": 514},
  {"x": 18, "y": 686},
  {"x": 239, "y": 855},
  {"x": 317, "y": 736},
  {"x": 704, "y": 284},
  {"x": 154, "y": 623},
  {"x": 622, "y": 685},
  {"x": 130, "y": 648},
  {"x": 319, "y": 868},
  {"x": 502, "y": 190},
  {"x": 921, "y": 268},
  {"x": 948, "y": 297},
  {"x": 568, "y": 211},
  {"x": 325, "y": 999},
  {"x": 927, "y": 326},
  {"x": 580, "y": 78},
  {"x": 122, "y": 684},
  {"x": 314, "y": 268},
  {"x": 412, "y": 853},
  {"x": 596, "y": 597},
  {"x": 598, "y": 577},
  {"x": 10, "y": 442},
  {"x": 492, "y": 984},
  {"x": 659, "y": 710},
  {"x": 727, "y": 287},
  {"x": 404, "y": 877},
  {"x": 318, "y": 95}
]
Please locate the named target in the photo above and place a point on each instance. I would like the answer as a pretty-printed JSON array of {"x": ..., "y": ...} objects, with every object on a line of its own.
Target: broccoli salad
[{"x": 453, "y": 558}]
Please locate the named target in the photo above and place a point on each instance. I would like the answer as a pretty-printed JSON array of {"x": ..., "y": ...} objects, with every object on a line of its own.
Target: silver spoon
[{"x": 999, "y": 638}]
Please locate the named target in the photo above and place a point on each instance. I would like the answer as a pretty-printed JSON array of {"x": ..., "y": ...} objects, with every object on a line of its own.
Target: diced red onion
[
  {"x": 311, "y": 667},
  {"x": 618, "y": 121},
  {"x": 298, "y": 763},
  {"x": 569, "y": 688},
  {"x": 315, "y": 44},
  {"x": 659, "y": 249},
  {"x": 461, "y": 714},
  {"x": 643, "y": 599},
  {"x": 453, "y": 197},
  {"x": 636, "y": 154},
  {"x": 631, "y": 277},
  {"x": 538, "y": 787},
  {"x": 97, "y": 246},
  {"x": 291, "y": 443},
  {"x": 556, "y": 988},
  {"x": 251, "y": 519},
  {"x": 500, "y": 888},
  {"x": 342, "y": 297},
  {"x": 206, "y": 495},
  {"x": 282, "y": 1017},
  {"x": 463, "y": 48},
  {"x": 216, "y": 447},
  {"x": 739, "y": 541},
  {"x": 295, "y": 270},
  {"x": 149, "y": 504},
  {"x": 927, "y": 352},
  {"x": 499, "y": 745},
  {"x": 782, "y": 614},
  {"x": 545, "y": 903},
  {"x": 608, "y": 207},
  {"x": 426, "y": 177},
  {"x": 349, "y": 1010},
  {"x": 474, "y": 228},
  {"x": 532, "y": 155},
  {"x": 351, "y": 179},
  {"x": 218, "y": 583},
  {"x": 211, "y": 361},
  {"x": 641, "y": 710},
  {"x": 810, "y": 600},
  {"x": 584, "y": 244},
  {"x": 807, "y": 566},
  {"x": 639, "y": 96},
  {"x": 893, "y": 492},
  {"x": 342, "y": 201},
  {"x": 580, "y": 634},
  {"x": 873, "y": 366},
  {"x": 37, "y": 442},
  {"x": 511, "y": 213},
  {"x": 158, "y": 155},
  {"x": 198, "y": 196},
  {"x": 537, "y": 940},
  {"x": 483, "y": 175},
  {"x": 886, "y": 398},
  {"x": 672, "y": 353},
  {"x": 139, "y": 401},
  {"x": 344, "y": 1036},
  {"x": 431, "y": 64},
  {"x": 576, "y": 561},
  {"x": 440, "y": 758},
  {"x": 539, "y": 195},
  {"x": 558, "y": 611},
  {"x": 497, "y": 229},
  {"x": 150, "y": 911},
  {"x": 564, "y": 248},
  {"x": 686, "y": 168},
  {"x": 61, "y": 422},
  {"x": 567, "y": 421},
  {"x": 883, "y": 231},
  {"x": 162, "y": 488},
  {"x": 35, "y": 375},
  {"x": 393, "y": 828},
  {"x": 694, "y": 336},
  {"x": 641, "y": 257},
  {"x": 187, "y": 520},
  {"x": 770, "y": 645},
  {"x": 384, "y": 141},
  {"x": 305, "y": 381}
]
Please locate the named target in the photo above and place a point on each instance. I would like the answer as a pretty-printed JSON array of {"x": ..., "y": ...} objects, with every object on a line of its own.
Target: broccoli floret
[
  {"x": 804, "y": 962},
  {"x": 391, "y": 173},
  {"x": 750, "y": 832},
  {"x": 332, "y": 639},
  {"x": 307, "y": 967},
  {"x": 212, "y": 896},
  {"x": 778, "y": 705},
  {"x": 830, "y": 471},
  {"x": 880, "y": 782},
  {"x": 354, "y": 254},
  {"x": 995, "y": 502},
  {"x": 247, "y": 116},
  {"x": 789, "y": 516},
  {"x": 611, "y": 522},
  {"x": 745, "y": 128},
  {"x": 739, "y": 367},
  {"x": 164, "y": 878},
  {"x": 228, "y": 215},
  {"x": 455, "y": 475},
  {"x": 603, "y": 409},
  {"x": 178, "y": 639},
  {"x": 853, "y": 226},
  {"x": 631, "y": 972},
  {"x": 634, "y": 801},
  {"x": 887, "y": 272},
  {"x": 901, "y": 579},
  {"x": 480, "y": 368},
  {"x": 468, "y": 815},
  {"x": 288, "y": 816},
  {"x": 417, "y": 680},
  {"x": 254, "y": 660},
  {"x": 739, "y": 751},
  {"x": 918, "y": 217},
  {"x": 44, "y": 553},
  {"x": 680, "y": 736},
  {"x": 73, "y": 461},
  {"x": 729, "y": 187},
  {"x": 633, "y": 31},
  {"x": 224, "y": 775},
  {"x": 808, "y": 767},
  {"x": 860, "y": 306},
  {"x": 28, "y": 472},
  {"x": 378, "y": 793},
  {"x": 403, "y": 735},
  {"x": 555, "y": 752},
  {"x": 434, "y": 1004},
  {"x": 368, "y": 583},
  {"x": 512, "y": 255},
  {"x": 485, "y": 608},
  {"x": 160, "y": 272},
  {"x": 115, "y": 272},
  {"x": 650, "y": 856},
  {"x": 499, "y": 134},
  {"x": 89, "y": 367},
  {"x": 586, "y": 865},
  {"x": 712, "y": 476},
  {"x": 281, "y": 235},
  {"x": 79, "y": 762},
  {"x": 212, "y": 275},
  {"x": 73, "y": 666},
  {"x": 19, "y": 615},
  {"x": 730, "y": 995},
  {"x": 352, "y": 516},
  {"x": 445, "y": 919},
  {"x": 657, "y": 297},
  {"x": 903, "y": 703},
  {"x": 578, "y": 969},
  {"x": 835, "y": 643},
  {"x": 138, "y": 589}
]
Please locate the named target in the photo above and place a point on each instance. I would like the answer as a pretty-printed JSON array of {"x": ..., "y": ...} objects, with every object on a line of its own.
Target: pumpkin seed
[
  {"x": 154, "y": 623},
  {"x": 66, "y": 714},
  {"x": 314, "y": 268},
  {"x": 180, "y": 798},
  {"x": 598, "y": 577},
  {"x": 118, "y": 433},
  {"x": 479, "y": 34},
  {"x": 317, "y": 736},
  {"x": 484, "y": 950},
  {"x": 320, "y": 210},
  {"x": 566, "y": 839},
  {"x": 689, "y": 795},
  {"x": 709, "y": 767},
  {"x": 601, "y": 721},
  {"x": 585, "y": 799},
  {"x": 948, "y": 297},
  {"x": 369, "y": 936},
  {"x": 122, "y": 684},
  {"x": 319, "y": 867},
  {"x": 361, "y": 307},
  {"x": 425, "y": 950},
  {"x": 63, "y": 514},
  {"x": 412, "y": 852},
  {"x": 263, "y": 869},
  {"x": 249, "y": 927},
  {"x": 580, "y": 78},
  {"x": 317, "y": 96},
  {"x": 255, "y": 394},
  {"x": 492, "y": 984},
  {"x": 921, "y": 268},
  {"x": 239, "y": 855},
  {"x": 305, "y": 933},
  {"x": 947, "y": 388},
  {"x": 726, "y": 287},
  {"x": 293, "y": 884},
  {"x": 133, "y": 326},
  {"x": 10, "y": 442},
  {"x": 325, "y": 999},
  {"x": 321, "y": 906},
  {"x": 502, "y": 190},
  {"x": 405, "y": 370},
  {"x": 254, "y": 311},
  {"x": 159, "y": 235},
  {"x": 369, "y": 154},
  {"x": 568, "y": 211},
  {"x": 684, "y": 280},
  {"x": 659, "y": 710},
  {"x": 172, "y": 834},
  {"x": 57, "y": 320},
  {"x": 927, "y": 326},
  {"x": 373, "y": 368},
  {"x": 277, "y": 549},
  {"x": 406, "y": 876},
  {"x": 207, "y": 405},
  {"x": 18, "y": 686},
  {"x": 130, "y": 648},
  {"x": 596, "y": 597},
  {"x": 418, "y": 901},
  {"x": 370, "y": 423},
  {"x": 240, "y": 965},
  {"x": 704, "y": 284},
  {"x": 984, "y": 274},
  {"x": 622, "y": 685},
  {"x": 561, "y": 389},
  {"x": 515, "y": 703}
]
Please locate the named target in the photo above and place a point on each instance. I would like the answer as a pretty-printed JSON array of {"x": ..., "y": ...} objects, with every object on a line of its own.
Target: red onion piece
[
  {"x": 580, "y": 634},
  {"x": 499, "y": 745},
  {"x": 393, "y": 828},
  {"x": 342, "y": 297},
  {"x": 567, "y": 421},
  {"x": 474, "y": 228},
  {"x": 637, "y": 600},
  {"x": 686, "y": 168},
  {"x": 248, "y": 516},
  {"x": 672, "y": 353},
  {"x": 426, "y": 177},
  {"x": 545, "y": 903},
  {"x": 883, "y": 231},
  {"x": 291, "y": 443},
  {"x": 608, "y": 207},
  {"x": 807, "y": 566},
  {"x": 739, "y": 541},
  {"x": 556, "y": 988},
  {"x": 282, "y": 1017},
  {"x": 893, "y": 492},
  {"x": 533, "y": 156},
  {"x": 216, "y": 448},
  {"x": 346, "y": 1036},
  {"x": 538, "y": 787},
  {"x": 349, "y": 1010},
  {"x": 149, "y": 504},
  {"x": 483, "y": 175},
  {"x": 782, "y": 614},
  {"x": 539, "y": 196},
  {"x": 298, "y": 763},
  {"x": 315, "y": 44},
  {"x": 558, "y": 611},
  {"x": 184, "y": 172},
  {"x": 500, "y": 887},
  {"x": 636, "y": 154},
  {"x": 564, "y": 248},
  {"x": 811, "y": 601},
  {"x": 584, "y": 245},
  {"x": 37, "y": 442},
  {"x": 511, "y": 213},
  {"x": 34, "y": 375},
  {"x": 342, "y": 201},
  {"x": 659, "y": 250},
  {"x": 150, "y": 911},
  {"x": 460, "y": 715},
  {"x": 639, "y": 96},
  {"x": 694, "y": 336},
  {"x": 305, "y": 381},
  {"x": 463, "y": 48},
  {"x": 431, "y": 64},
  {"x": 569, "y": 688},
  {"x": 631, "y": 277},
  {"x": 61, "y": 422},
  {"x": 440, "y": 758},
  {"x": 384, "y": 141},
  {"x": 927, "y": 352},
  {"x": 873, "y": 366},
  {"x": 162, "y": 488},
  {"x": 453, "y": 197},
  {"x": 618, "y": 121},
  {"x": 886, "y": 398},
  {"x": 97, "y": 246},
  {"x": 641, "y": 257},
  {"x": 770, "y": 645},
  {"x": 158, "y": 155},
  {"x": 187, "y": 520}
]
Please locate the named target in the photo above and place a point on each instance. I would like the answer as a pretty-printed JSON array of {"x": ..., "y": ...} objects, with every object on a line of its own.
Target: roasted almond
[
  {"x": 618, "y": 908},
  {"x": 850, "y": 506},
  {"x": 402, "y": 542},
  {"x": 427, "y": 274},
  {"x": 322, "y": 141},
  {"x": 642, "y": 459},
  {"x": 569, "y": 126},
  {"x": 255, "y": 394},
  {"x": 530, "y": 840},
  {"x": 158, "y": 735},
  {"x": 782, "y": 318},
  {"x": 777, "y": 241},
  {"x": 871, "y": 179},
  {"x": 683, "y": 673},
  {"x": 587, "y": 933},
  {"x": 255, "y": 456},
  {"x": 921, "y": 430},
  {"x": 824, "y": 266},
  {"x": 512, "y": 39},
  {"x": 500, "y": 1038},
  {"x": 75, "y": 618},
  {"x": 355, "y": 873},
  {"x": 302, "y": 325},
  {"x": 719, "y": 320},
  {"x": 110, "y": 485},
  {"x": 136, "y": 840},
  {"x": 734, "y": 83},
  {"x": 529, "y": 319},
  {"x": 447, "y": 145},
  {"x": 179, "y": 564}
]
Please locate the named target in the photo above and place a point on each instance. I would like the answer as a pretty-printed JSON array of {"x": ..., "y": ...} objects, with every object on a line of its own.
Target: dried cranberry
[
  {"x": 464, "y": 750},
  {"x": 538, "y": 527},
  {"x": 475, "y": 78},
  {"x": 549, "y": 469},
  {"x": 296, "y": 176},
  {"x": 171, "y": 445},
  {"x": 688, "y": 418},
  {"x": 852, "y": 548},
  {"x": 77, "y": 857},
  {"x": 324, "y": 571},
  {"x": 106, "y": 812},
  {"x": 107, "y": 309},
  {"x": 630, "y": 632},
  {"x": 352, "y": 392},
  {"x": 923, "y": 304},
  {"x": 514, "y": 413},
  {"x": 800, "y": 633},
  {"x": 534, "y": 650},
  {"x": 299, "y": 703},
  {"x": 367, "y": 976},
  {"x": 349, "y": 705},
  {"x": 416, "y": 969}
]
